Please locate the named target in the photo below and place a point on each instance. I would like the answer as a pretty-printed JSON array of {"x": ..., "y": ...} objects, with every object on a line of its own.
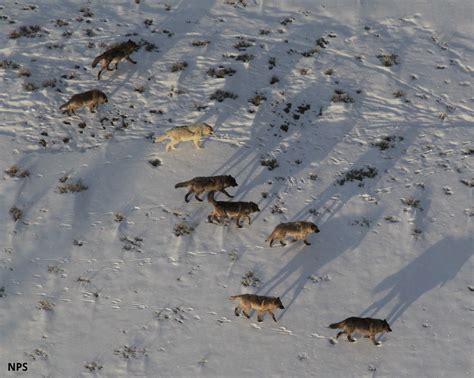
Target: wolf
[
  {"x": 178, "y": 134},
  {"x": 90, "y": 98},
  {"x": 298, "y": 230},
  {"x": 115, "y": 55},
  {"x": 199, "y": 185},
  {"x": 259, "y": 303},
  {"x": 367, "y": 326},
  {"x": 227, "y": 209}
]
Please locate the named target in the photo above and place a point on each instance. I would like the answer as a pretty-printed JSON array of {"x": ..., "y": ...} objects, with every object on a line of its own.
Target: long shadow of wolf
[{"x": 435, "y": 267}]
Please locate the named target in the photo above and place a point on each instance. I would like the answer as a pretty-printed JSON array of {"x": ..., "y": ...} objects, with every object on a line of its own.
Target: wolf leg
[
  {"x": 273, "y": 316},
  {"x": 271, "y": 242},
  {"x": 350, "y": 338},
  {"x": 238, "y": 223},
  {"x": 340, "y": 334},
  {"x": 375, "y": 341},
  {"x": 196, "y": 143},
  {"x": 130, "y": 60},
  {"x": 186, "y": 197},
  {"x": 246, "y": 315},
  {"x": 306, "y": 242},
  {"x": 260, "y": 316},
  {"x": 250, "y": 220},
  {"x": 282, "y": 243},
  {"x": 237, "y": 311},
  {"x": 196, "y": 196},
  {"x": 227, "y": 194}
]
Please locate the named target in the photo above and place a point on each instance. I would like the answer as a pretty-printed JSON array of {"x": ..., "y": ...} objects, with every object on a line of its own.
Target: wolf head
[
  {"x": 103, "y": 98},
  {"x": 254, "y": 207},
  {"x": 386, "y": 327},
  {"x": 207, "y": 130},
  {"x": 279, "y": 304},
  {"x": 131, "y": 45},
  {"x": 231, "y": 181},
  {"x": 314, "y": 228}
]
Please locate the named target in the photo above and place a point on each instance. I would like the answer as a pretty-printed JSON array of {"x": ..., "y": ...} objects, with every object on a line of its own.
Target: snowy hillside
[{"x": 355, "y": 115}]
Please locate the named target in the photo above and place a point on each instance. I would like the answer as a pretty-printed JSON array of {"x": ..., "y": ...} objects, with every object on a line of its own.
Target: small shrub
[
  {"x": 220, "y": 95},
  {"x": 468, "y": 183},
  {"x": 264, "y": 32},
  {"x": 341, "y": 96},
  {"x": 25, "y": 72},
  {"x": 287, "y": 20},
  {"x": 329, "y": 72},
  {"x": 178, "y": 66},
  {"x": 358, "y": 174},
  {"x": 309, "y": 53},
  {"x": 29, "y": 86},
  {"x": 270, "y": 163},
  {"x": 26, "y": 31},
  {"x": 15, "y": 171},
  {"x": 93, "y": 366},
  {"x": 388, "y": 60},
  {"x": 411, "y": 202},
  {"x": 181, "y": 229},
  {"x": 200, "y": 43},
  {"x": 118, "y": 217},
  {"x": 221, "y": 72},
  {"x": 9, "y": 64},
  {"x": 386, "y": 142},
  {"x": 392, "y": 219},
  {"x": 16, "y": 213},
  {"x": 322, "y": 42},
  {"x": 242, "y": 45},
  {"x": 274, "y": 79},
  {"x": 72, "y": 187},
  {"x": 244, "y": 57},
  {"x": 257, "y": 99},
  {"x": 129, "y": 352},
  {"x": 155, "y": 162},
  {"x": 249, "y": 279},
  {"x": 271, "y": 62},
  {"x": 399, "y": 93},
  {"x": 45, "y": 305}
]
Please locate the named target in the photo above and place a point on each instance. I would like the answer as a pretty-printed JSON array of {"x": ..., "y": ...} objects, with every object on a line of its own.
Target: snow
[{"x": 129, "y": 298}]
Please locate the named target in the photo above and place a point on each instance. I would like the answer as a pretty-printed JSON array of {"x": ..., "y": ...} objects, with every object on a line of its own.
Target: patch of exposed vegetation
[
  {"x": 468, "y": 183},
  {"x": 392, "y": 219},
  {"x": 399, "y": 93},
  {"x": 45, "y": 305},
  {"x": 341, "y": 96},
  {"x": 386, "y": 142},
  {"x": 287, "y": 20},
  {"x": 29, "y": 86},
  {"x": 128, "y": 352},
  {"x": 411, "y": 202},
  {"x": 322, "y": 42},
  {"x": 388, "y": 60},
  {"x": 257, "y": 99},
  {"x": 155, "y": 162},
  {"x": 309, "y": 53},
  {"x": 220, "y": 95},
  {"x": 26, "y": 31},
  {"x": 221, "y": 72},
  {"x": 270, "y": 162},
  {"x": 249, "y": 279},
  {"x": 329, "y": 72},
  {"x": 132, "y": 243},
  {"x": 178, "y": 66},
  {"x": 9, "y": 64},
  {"x": 16, "y": 213},
  {"x": 358, "y": 175},
  {"x": 182, "y": 228},
  {"x": 271, "y": 62},
  {"x": 274, "y": 79},
  {"x": 71, "y": 187},
  {"x": 93, "y": 366},
  {"x": 15, "y": 171},
  {"x": 243, "y": 44},
  {"x": 198, "y": 43}
]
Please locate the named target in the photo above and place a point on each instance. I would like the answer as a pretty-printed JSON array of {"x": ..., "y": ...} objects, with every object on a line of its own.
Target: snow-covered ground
[{"x": 96, "y": 283}]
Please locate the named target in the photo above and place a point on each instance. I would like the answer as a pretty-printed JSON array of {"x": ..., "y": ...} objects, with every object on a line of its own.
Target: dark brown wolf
[
  {"x": 115, "y": 55},
  {"x": 259, "y": 303},
  {"x": 228, "y": 209},
  {"x": 90, "y": 98},
  {"x": 199, "y": 185},
  {"x": 367, "y": 326},
  {"x": 298, "y": 230}
]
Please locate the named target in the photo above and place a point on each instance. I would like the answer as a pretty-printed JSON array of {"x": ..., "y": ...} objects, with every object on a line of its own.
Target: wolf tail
[
  {"x": 182, "y": 184},
  {"x": 336, "y": 325},
  {"x": 96, "y": 61},
  {"x": 231, "y": 298}
]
